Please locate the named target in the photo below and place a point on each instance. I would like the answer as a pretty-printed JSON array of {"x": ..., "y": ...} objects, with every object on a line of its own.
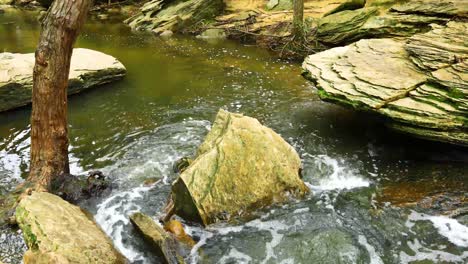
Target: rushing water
[{"x": 363, "y": 176}]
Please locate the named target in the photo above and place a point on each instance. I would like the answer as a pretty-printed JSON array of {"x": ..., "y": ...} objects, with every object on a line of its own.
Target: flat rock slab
[
  {"x": 420, "y": 83},
  {"x": 88, "y": 69},
  {"x": 59, "y": 232},
  {"x": 240, "y": 167}
]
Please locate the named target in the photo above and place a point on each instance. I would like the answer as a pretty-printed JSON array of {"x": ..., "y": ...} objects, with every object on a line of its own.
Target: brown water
[{"x": 135, "y": 129}]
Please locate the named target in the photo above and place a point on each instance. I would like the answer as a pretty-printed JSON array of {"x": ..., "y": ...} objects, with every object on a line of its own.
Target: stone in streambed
[
  {"x": 59, "y": 232},
  {"x": 241, "y": 166},
  {"x": 88, "y": 69},
  {"x": 166, "y": 245}
]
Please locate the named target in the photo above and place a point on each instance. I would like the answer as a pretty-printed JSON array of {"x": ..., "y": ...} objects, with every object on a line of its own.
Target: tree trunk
[
  {"x": 298, "y": 17},
  {"x": 49, "y": 132}
]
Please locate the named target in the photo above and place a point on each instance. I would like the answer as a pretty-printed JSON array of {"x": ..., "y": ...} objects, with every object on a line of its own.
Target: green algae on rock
[
  {"x": 88, "y": 69},
  {"x": 421, "y": 85},
  {"x": 164, "y": 243},
  {"x": 241, "y": 166},
  {"x": 59, "y": 232}
]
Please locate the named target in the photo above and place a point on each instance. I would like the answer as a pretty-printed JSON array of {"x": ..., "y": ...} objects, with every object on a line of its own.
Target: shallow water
[{"x": 362, "y": 175}]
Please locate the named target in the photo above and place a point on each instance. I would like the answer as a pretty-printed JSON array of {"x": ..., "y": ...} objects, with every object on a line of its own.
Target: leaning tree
[{"x": 49, "y": 126}]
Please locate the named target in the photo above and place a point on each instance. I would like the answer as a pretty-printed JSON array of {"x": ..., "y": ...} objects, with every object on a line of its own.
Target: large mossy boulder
[
  {"x": 241, "y": 166},
  {"x": 59, "y": 232},
  {"x": 161, "y": 15},
  {"x": 419, "y": 84},
  {"x": 88, "y": 69}
]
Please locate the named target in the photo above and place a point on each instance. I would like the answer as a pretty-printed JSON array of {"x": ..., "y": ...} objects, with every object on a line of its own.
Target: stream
[{"x": 377, "y": 196}]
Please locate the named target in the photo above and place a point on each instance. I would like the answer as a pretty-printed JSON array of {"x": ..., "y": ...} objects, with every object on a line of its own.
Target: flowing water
[{"x": 367, "y": 182}]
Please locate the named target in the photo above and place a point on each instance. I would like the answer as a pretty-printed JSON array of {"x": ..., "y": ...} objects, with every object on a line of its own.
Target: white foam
[
  {"x": 113, "y": 215},
  {"x": 341, "y": 176},
  {"x": 374, "y": 257},
  {"x": 450, "y": 228},
  {"x": 234, "y": 254},
  {"x": 422, "y": 253}
]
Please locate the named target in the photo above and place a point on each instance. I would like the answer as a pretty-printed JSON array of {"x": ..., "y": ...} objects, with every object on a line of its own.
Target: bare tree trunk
[
  {"x": 298, "y": 17},
  {"x": 49, "y": 132}
]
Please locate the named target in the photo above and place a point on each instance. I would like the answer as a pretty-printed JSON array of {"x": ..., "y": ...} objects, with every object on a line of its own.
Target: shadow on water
[{"x": 135, "y": 129}]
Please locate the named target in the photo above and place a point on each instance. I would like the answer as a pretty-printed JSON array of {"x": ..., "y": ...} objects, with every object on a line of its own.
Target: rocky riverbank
[{"x": 269, "y": 23}]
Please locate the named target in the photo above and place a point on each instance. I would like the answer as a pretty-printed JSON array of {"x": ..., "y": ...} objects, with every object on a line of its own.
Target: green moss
[
  {"x": 29, "y": 236},
  {"x": 456, "y": 93}
]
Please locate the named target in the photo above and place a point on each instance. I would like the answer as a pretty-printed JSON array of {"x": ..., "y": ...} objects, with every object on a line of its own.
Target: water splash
[{"x": 332, "y": 174}]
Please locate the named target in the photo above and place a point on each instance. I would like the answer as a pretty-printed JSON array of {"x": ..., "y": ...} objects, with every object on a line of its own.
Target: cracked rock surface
[
  {"x": 240, "y": 167},
  {"x": 420, "y": 84}
]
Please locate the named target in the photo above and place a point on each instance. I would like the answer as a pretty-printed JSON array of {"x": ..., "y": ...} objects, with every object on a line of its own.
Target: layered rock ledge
[
  {"x": 420, "y": 84},
  {"x": 88, "y": 69}
]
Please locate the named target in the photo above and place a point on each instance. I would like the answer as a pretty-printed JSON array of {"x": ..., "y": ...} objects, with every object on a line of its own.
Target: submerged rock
[
  {"x": 161, "y": 15},
  {"x": 241, "y": 166},
  {"x": 88, "y": 69},
  {"x": 58, "y": 232},
  {"x": 166, "y": 246},
  {"x": 213, "y": 33},
  {"x": 421, "y": 85}
]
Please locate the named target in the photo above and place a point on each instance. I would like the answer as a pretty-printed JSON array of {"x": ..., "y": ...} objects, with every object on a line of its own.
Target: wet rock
[
  {"x": 241, "y": 166},
  {"x": 213, "y": 33},
  {"x": 177, "y": 229},
  {"x": 166, "y": 34},
  {"x": 58, "y": 232},
  {"x": 319, "y": 247},
  {"x": 161, "y": 15},
  {"x": 78, "y": 188},
  {"x": 421, "y": 86},
  {"x": 166, "y": 246},
  {"x": 181, "y": 164},
  {"x": 88, "y": 69}
]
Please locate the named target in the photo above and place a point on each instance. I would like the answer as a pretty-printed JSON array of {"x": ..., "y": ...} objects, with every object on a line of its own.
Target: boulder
[
  {"x": 345, "y": 27},
  {"x": 434, "y": 7},
  {"x": 59, "y": 232},
  {"x": 161, "y": 15},
  {"x": 241, "y": 166},
  {"x": 164, "y": 243},
  {"x": 420, "y": 85},
  {"x": 88, "y": 69},
  {"x": 213, "y": 33}
]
